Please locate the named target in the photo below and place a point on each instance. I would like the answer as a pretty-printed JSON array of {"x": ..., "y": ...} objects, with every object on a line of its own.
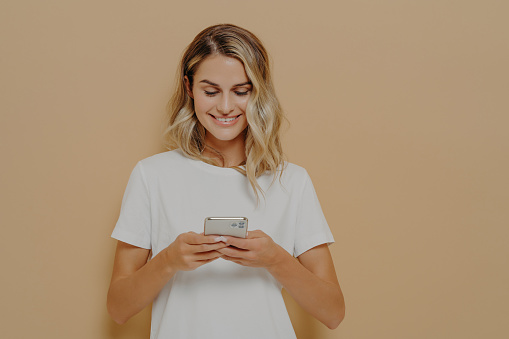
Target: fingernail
[{"x": 221, "y": 238}]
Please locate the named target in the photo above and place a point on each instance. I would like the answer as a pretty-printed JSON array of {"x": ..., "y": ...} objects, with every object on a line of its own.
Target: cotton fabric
[{"x": 169, "y": 194}]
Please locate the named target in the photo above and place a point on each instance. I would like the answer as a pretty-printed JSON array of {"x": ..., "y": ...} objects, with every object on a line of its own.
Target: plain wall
[{"x": 398, "y": 110}]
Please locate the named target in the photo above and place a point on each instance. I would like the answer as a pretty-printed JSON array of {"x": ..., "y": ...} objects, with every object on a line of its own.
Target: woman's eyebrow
[
  {"x": 216, "y": 85},
  {"x": 243, "y": 84},
  {"x": 210, "y": 83}
]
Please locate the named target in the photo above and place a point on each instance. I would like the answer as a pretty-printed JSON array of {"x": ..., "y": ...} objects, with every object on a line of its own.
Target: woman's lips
[{"x": 227, "y": 121}]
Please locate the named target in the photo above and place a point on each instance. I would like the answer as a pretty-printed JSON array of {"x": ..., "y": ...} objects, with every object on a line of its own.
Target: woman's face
[{"x": 221, "y": 90}]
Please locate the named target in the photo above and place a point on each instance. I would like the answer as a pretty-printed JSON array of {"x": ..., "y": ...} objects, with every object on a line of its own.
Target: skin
[
  {"x": 310, "y": 279},
  {"x": 221, "y": 89}
]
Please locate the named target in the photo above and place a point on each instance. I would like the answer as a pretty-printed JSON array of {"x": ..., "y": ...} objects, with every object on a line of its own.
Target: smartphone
[{"x": 234, "y": 226}]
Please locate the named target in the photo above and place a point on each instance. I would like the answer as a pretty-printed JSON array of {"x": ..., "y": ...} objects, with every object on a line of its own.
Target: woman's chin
[{"x": 223, "y": 137}]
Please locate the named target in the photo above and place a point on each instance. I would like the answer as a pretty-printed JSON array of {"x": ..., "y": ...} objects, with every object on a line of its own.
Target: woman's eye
[
  {"x": 242, "y": 93},
  {"x": 211, "y": 93}
]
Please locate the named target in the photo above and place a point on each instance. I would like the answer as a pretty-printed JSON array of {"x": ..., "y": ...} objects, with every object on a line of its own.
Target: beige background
[{"x": 398, "y": 109}]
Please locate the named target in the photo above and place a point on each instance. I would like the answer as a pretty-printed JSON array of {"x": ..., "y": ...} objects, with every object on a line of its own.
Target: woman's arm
[
  {"x": 311, "y": 280},
  {"x": 313, "y": 283},
  {"x": 135, "y": 282}
]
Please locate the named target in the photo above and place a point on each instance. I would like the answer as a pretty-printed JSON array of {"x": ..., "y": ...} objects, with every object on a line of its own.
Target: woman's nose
[{"x": 225, "y": 105}]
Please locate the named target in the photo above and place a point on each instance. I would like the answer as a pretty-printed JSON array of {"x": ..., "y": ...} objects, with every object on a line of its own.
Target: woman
[{"x": 225, "y": 160}]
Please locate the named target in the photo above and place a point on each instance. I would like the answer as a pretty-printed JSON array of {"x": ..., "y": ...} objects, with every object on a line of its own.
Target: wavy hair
[{"x": 264, "y": 113}]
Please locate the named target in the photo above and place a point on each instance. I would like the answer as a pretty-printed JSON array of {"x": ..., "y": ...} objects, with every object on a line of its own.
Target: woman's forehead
[{"x": 221, "y": 70}]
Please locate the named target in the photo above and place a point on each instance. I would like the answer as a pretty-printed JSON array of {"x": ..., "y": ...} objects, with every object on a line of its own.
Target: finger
[
  {"x": 234, "y": 253},
  {"x": 255, "y": 234},
  {"x": 208, "y": 247},
  {"x": 238, "y": 242},
  {"x": 203, "y": 262},
  {"x": 193, "y": 238},
  {"x": 241, "y": 243},
  {"x": 207, "y": 255}
]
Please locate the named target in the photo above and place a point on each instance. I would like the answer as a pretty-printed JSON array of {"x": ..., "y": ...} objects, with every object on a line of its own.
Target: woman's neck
[{"x": 231, "y": 152}]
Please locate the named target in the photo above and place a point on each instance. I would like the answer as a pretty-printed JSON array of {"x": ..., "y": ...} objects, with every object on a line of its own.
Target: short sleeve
[
  {"x": 311, "y": 227},
  {"x": 134, "y": 223}
]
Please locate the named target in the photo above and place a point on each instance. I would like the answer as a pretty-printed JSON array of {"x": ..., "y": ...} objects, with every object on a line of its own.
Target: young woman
[{"x": 225, "y": 160}]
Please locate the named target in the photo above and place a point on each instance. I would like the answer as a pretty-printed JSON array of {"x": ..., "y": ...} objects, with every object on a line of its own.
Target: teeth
[{"x": 226, "y": 119}]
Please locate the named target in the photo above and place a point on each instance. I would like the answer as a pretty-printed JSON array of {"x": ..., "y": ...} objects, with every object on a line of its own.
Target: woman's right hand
[
  {"x": 191, "y": 250},
  {"x": 131, "y": 270}
]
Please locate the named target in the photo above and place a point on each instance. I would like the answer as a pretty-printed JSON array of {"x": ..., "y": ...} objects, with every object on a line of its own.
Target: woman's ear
[{"x": 188, "y": 86}]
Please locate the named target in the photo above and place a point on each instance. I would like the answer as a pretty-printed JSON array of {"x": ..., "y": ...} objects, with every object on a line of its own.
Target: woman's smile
[{"x": 226, "y": 121}]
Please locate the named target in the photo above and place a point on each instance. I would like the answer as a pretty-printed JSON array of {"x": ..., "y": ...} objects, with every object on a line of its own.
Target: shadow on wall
[{"x": 306, "y": 327}]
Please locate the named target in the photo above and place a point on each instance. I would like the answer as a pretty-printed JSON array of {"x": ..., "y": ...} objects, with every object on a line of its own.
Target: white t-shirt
[{"x": 169, "y": 194}]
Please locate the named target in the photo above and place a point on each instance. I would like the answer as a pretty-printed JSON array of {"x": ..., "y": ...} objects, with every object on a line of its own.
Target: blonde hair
[{"x": 264, "y": 113}]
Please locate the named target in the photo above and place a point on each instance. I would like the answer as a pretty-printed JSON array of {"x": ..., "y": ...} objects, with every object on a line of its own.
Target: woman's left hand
[
  {"x": 311, "y": 280},
  {"x": 256, "y": 250}
]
